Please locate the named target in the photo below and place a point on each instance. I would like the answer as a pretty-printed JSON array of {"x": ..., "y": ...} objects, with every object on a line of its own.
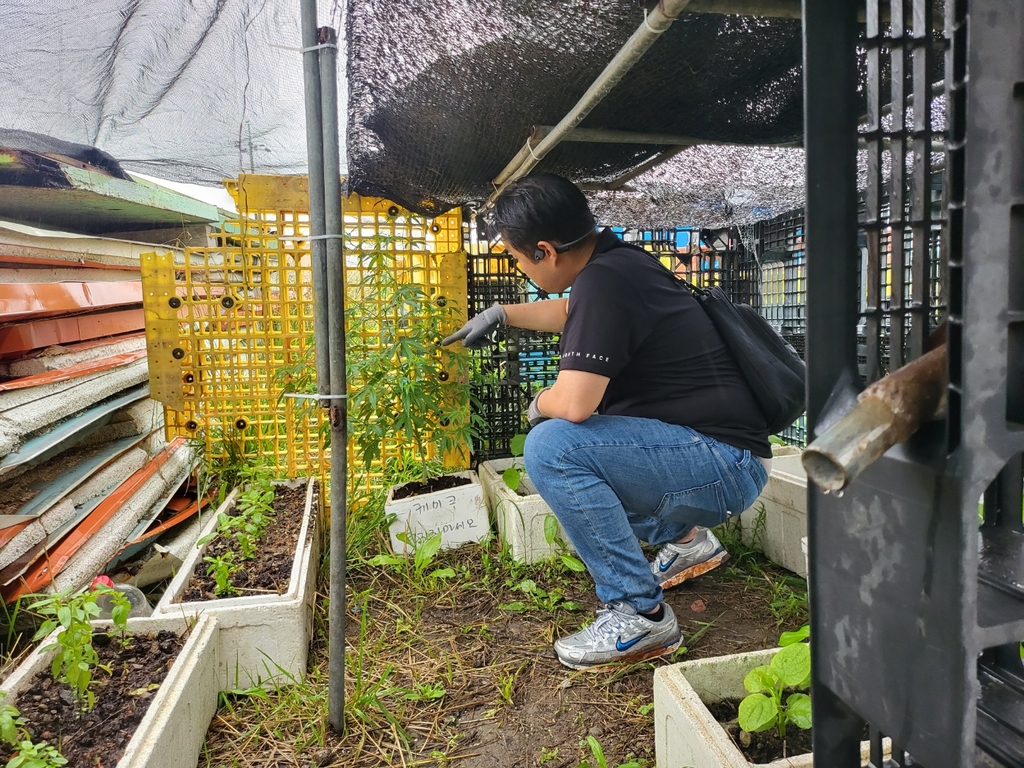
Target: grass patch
[{"x": 458, "y": 669}]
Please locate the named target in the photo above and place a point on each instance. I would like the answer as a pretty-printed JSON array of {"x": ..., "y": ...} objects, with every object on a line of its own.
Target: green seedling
[
  {"x": 539, "y": 598},
  {"x": 252, "y": 514},
  {"x": 76, "y": 659},
  {"x": 32, "y": 755},
  {"x": 513, "y": 476},
  {"x": 221, "y": 569},
  {"x": 768, "y": 705},
  {"x": 426, "y": 692},
  {"x": 14, "y": 734},
  {"x": 507, "y": 686},
  {"x": 424, "y": 552},
  {"x": 602, "y": 762},
  {"x": 551, "y": 536},
  {"x": 12, "y": 724}
]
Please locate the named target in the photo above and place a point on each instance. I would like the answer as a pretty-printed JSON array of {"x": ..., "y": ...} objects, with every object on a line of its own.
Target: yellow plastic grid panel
[
  {"x": 246, "y": 320},
  {"x": 426, "y": 252}
]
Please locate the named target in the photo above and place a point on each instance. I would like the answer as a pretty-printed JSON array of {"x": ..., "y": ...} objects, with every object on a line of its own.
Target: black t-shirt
[{"x": 631, "y": 320}]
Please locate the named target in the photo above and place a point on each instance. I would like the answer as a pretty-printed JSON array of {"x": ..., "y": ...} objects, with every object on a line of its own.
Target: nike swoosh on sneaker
[
  {"x": 621, "y": 646},
  {"x": 665, "y": 566}
]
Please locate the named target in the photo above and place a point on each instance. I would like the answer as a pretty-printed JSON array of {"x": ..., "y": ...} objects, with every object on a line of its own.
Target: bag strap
[{"x": 701, "y": 292}]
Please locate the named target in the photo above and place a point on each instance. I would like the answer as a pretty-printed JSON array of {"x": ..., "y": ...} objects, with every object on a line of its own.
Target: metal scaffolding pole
[
  {"x": 315, "y": 154},
  {"x": 338, "y": 406},
  {"x": 320, "y": 60}
]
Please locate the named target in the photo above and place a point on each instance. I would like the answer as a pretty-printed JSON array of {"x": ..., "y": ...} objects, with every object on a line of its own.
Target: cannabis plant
[{"x": 404, "y": 386}]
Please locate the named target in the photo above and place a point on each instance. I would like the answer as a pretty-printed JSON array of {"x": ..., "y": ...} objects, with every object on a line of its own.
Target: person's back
[{"x": 664, "y": 358}]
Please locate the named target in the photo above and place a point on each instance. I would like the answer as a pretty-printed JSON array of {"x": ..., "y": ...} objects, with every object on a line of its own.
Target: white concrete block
[
  {"x": 686, "y": 735},
  {"x": 20, "y": 417},
  {"x": 264, "y": 638},
  {"x": 777, "y": 532},
  {"x": 139, "y": 418},
  {"x": 173, "y": 731},
  {"x": 458, "y": 514},
  {"x": 519, "y": 518}
]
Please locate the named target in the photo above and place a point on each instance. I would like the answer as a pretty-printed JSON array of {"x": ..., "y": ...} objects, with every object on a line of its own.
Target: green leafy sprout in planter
[
  {"x": 27, "y": 754},
  {"x": 253, "y": 512},
  {"x": 765, "y": 707},
  {"x": 513, "y": 478},
  {"x": 76, "y": 659}
]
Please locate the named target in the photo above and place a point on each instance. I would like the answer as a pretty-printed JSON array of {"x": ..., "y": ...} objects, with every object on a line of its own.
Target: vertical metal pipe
[
  {"x": 339, "y": 407},
  {"x": 921, "y": 200},
  {"x": 315, "y": 155},
  {"x": 897, "y": 186},
  {"x": 830, "y": 139},
  {"x": 873, "y": 197}
]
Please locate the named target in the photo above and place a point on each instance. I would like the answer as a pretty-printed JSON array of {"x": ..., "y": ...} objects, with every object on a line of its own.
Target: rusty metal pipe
[{"x": 887, "y": 412}]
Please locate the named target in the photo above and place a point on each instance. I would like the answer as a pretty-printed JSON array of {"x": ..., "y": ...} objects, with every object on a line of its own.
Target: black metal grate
[{"x": 886, "y": 650}]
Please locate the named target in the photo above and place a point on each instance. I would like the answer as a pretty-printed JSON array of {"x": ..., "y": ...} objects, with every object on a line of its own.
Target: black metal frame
[{"x": 903, "y": 605}]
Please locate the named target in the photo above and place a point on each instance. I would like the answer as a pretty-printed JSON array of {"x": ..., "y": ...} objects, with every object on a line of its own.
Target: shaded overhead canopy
[
  {"x": 708, "y": 186},
  {"x": 442, "y": 95}
]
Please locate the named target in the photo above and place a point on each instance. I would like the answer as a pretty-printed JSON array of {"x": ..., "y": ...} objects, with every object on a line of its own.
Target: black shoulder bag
[{"x": 771, "y": 366}]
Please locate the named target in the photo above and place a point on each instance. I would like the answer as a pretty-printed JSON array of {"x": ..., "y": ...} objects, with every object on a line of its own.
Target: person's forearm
[{"x": 548, "y": 316}]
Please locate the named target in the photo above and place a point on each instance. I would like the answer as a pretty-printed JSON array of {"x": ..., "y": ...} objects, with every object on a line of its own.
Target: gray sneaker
[
  {"x": 677, "y": 563},
  {"x": 619, "y": 634}
]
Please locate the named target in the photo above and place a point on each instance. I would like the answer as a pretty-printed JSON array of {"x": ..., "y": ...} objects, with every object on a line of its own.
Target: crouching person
[{"x": 649, "y": 433}]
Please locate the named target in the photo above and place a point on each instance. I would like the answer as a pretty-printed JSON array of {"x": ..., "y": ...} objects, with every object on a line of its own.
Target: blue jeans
[{"x": 612, "y": 480}]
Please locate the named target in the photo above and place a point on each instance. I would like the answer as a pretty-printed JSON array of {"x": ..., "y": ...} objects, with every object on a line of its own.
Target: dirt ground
[{"x": 460, "y": 670}]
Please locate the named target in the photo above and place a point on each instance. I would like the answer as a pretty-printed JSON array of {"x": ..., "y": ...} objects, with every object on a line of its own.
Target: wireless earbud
[{"x": 538, "y": 254}]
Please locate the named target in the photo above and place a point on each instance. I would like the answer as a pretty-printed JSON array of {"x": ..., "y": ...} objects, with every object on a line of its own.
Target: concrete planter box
[
  {"x": 784, "y": 524},
  {"x": 458, "y": 514},
  {"x": 264, "y": 638},
  {"x": 174, "y": 728},
  {"x": 520, "y": 519},
  {"x": 686, "y": 735}
]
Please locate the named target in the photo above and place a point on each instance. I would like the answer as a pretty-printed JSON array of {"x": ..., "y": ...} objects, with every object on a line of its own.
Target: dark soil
[
  {"x": 271, "y": 569},
  {"x": 763, "y": 747},
  {"x": 416, "y": 488},
  {"x": 98, "y": 738}
]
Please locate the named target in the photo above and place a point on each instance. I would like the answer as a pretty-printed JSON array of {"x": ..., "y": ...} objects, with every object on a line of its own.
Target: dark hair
[{"x": 541, "y": 207}]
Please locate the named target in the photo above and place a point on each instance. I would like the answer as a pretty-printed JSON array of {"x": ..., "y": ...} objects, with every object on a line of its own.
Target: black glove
[
  {"x": 475, "y": 334},
  {"x": 533, "y": 415}
]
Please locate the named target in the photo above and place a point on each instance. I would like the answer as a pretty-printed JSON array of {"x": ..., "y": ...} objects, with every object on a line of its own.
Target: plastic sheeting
[{"x": 186, "y": 90}]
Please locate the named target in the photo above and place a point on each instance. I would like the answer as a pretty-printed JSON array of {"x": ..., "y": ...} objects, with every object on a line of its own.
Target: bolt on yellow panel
[{"x": 160, "y": 304}]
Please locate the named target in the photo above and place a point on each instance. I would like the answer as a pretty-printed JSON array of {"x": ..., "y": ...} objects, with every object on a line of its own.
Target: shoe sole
[
  {"x": 627, "y": 658},
  {"x": 696, "y": 570}
]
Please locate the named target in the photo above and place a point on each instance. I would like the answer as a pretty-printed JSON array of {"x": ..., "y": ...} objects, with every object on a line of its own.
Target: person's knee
[{"x": 544, "y": 444}]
